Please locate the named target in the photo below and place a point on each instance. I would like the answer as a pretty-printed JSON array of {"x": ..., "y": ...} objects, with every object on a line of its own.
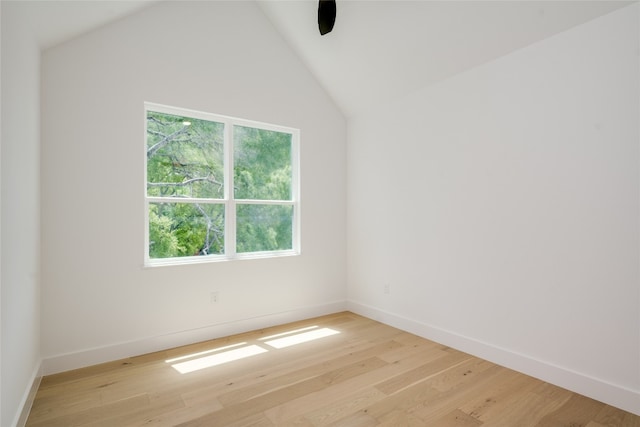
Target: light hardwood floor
[{"x": 363, "y": 374}]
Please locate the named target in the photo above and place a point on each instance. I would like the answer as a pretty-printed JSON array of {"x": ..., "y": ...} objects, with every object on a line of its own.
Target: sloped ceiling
[
  {"x": 380, "y": 50},
  {"x": 54, "y": 21}
]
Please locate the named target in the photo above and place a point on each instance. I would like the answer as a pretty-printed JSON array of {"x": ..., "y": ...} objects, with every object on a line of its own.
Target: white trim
[
  {"x": 26, "y": 403},
  {"x": 265, "y": 202},
  {"x": 612, "y": 394},
  {"x": 144, "y": 190},
  {"x": 230, "y": 212},
  {"x": 229, "y": 201},
  {"x": 204, "y": 259},
  {"x": 296, "y": 190},
  {"x": 93, "y": 356}
]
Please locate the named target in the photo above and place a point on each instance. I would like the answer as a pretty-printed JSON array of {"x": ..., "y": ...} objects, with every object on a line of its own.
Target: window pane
[
  {"x": 185, "y": 229},
  {"x": 262, "y": 164},
  {"x": 184, "y": 157},
  {"x": 264, "y": 228}
]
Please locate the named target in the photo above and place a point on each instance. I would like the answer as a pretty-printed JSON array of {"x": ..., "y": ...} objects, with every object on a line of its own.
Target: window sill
[{"x": 152, "y": 263}]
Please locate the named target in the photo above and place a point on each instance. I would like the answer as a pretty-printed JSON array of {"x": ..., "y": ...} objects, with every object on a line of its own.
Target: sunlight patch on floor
[
  {"x": 218, "y": 359},
  {"x": 300, "y": 338},
  {"x": 295, "y": 331},
  {"x": 201, "y": 353},
  {"x": 218, "y": 356}
]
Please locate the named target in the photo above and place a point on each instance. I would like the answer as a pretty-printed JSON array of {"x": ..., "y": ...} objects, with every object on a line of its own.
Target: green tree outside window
[{"x": 190, "y": 193}]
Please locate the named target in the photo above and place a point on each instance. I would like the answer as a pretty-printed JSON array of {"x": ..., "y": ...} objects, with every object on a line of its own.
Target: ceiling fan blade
[{"x": 326, "y": 15}]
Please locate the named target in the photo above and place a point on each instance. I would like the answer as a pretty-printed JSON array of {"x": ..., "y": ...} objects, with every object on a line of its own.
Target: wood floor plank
[
  {"x": 278, "y": 397},
  {"x": 86, "y": 416},
  {"x": 257, "y": 420},
  {"x": 300, "y": 421},
  {"x": 159, "y": 403},
  {"x": 358, "y": 419},
  {"x": 344, "y": 408},
  {"x": 421, "y": 394},
  {"x": 316, "y": 400},
  {"x": 456, "y": 418},
  {"x": 613, "y": 417},
  {"x": 577, "y": 409},
  {"x": 303, "y": 372},
  {"x": 427, "y": 370},
  {"x": 321, "y": 399},
  {"x": 167, "y": 416},
  {"x": 294, "y": 367},
  {"x": 364, "y": 374},
  {"x": 524, "y": 412},
  {"x": 400, "y": 418},
  {"x": 461, "y": 388},
  {"x": 497, "y": 398}
]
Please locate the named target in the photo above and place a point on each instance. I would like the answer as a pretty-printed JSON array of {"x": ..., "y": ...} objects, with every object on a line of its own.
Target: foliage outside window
[{"x": 218, "y": 187}]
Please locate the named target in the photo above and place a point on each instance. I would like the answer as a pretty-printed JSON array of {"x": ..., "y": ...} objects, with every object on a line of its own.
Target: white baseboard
[
  {"x": 29, "y": 396},
  {"x": 94, "y": 356},
  {"x": 611, "y": 394}
]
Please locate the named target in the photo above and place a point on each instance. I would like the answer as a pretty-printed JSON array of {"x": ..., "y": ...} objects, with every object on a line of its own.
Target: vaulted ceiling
[
  {"x": 54, "y": 21},
  {"x": 378, "y": 50}
]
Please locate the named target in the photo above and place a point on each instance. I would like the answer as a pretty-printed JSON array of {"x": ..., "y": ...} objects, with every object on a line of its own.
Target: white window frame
[{"x": 228, "y": 201}]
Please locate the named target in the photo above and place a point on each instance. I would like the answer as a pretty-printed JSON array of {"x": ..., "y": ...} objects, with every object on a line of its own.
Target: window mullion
[
  {"x": 264, "y": 202},
  {"x": 183, "y": 200},
  {"x": 230, "y": 214},
  {"x": 295, "y": 189}
]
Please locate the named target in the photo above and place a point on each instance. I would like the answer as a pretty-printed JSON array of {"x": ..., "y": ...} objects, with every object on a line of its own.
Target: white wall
[
  {"x": 220, "y": 57},
  {"x": 20, "y": 293},
  {"x": 502, "y": 207}
]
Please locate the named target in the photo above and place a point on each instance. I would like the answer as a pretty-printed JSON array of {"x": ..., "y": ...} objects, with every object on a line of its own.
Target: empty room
[{"x": 319, "y": 213}]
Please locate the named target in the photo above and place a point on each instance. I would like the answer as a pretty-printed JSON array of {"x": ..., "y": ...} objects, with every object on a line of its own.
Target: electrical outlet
[
  {"x": 215, "y": 297},
  {"x": 387, "y": 288}
]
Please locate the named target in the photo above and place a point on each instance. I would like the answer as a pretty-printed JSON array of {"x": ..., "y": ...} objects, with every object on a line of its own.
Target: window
[{"x": 218, "y": 188}]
